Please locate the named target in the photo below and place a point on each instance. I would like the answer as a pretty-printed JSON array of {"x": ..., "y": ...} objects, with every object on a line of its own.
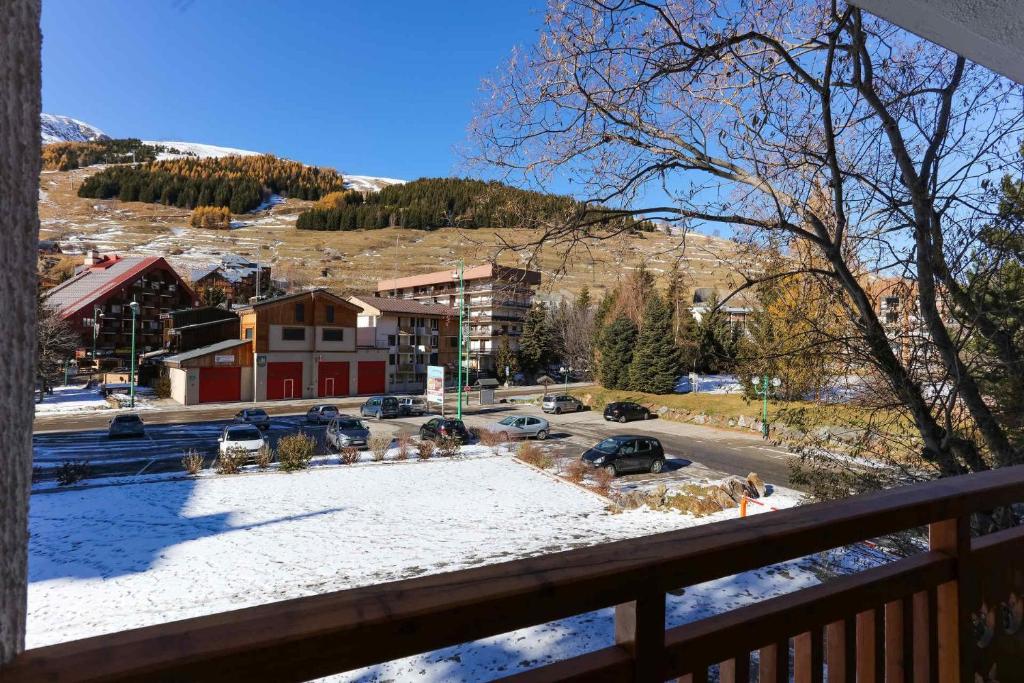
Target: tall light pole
[
  {"x": 763, "y": 387},
  {"x": 565, "y": 371},
  {"x": 462, "y": 305},
  {"x": 134, "y": 305}
]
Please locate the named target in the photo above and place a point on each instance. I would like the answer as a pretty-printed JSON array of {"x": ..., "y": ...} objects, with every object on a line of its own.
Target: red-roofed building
[{"x": 104, "y": 286}]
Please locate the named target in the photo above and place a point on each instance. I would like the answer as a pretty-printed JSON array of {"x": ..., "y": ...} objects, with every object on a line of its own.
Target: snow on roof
[{"x": 92, "y": 282}]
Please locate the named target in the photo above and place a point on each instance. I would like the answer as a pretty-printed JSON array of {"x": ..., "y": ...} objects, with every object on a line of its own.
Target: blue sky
[{"x": 367, "y": 87}]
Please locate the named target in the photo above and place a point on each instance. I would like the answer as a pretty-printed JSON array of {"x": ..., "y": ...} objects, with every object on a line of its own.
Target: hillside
[{"x": 353, "y": 261}]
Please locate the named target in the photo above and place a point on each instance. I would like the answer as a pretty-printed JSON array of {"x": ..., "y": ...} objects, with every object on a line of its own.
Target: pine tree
[
  {"x": 617, "y": 342},
  {"x": 655, "y": 365},
  {"x": 536, "y": 345},
  {"x": 506, "y": 358}
]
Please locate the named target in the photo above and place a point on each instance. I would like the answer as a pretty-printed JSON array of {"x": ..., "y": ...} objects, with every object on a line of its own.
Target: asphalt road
[{"x": 692, "y": 451}]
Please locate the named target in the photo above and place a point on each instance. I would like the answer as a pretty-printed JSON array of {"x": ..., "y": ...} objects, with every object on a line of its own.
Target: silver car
[
  {"x": 347, "y": 431},
  {"x": 322, "y": 413},
  {"x": 253, "y": 416},
  {"x": 520, "y": 427},
  {"x": 561, "y": 403},
  {"x": 128, "y": 424},
  {"x": 412, "y": 405}
]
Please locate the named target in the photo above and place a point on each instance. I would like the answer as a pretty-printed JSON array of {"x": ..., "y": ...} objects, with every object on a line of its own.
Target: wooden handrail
[{"x": 314, "y": 636}]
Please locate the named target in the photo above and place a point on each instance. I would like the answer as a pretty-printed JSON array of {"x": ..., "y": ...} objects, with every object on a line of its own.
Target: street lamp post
[
  {"x": 763, "y": 387},
  {"x": 131, "y": 376},
  {"x": 565, "y": 372},
  {"x": 96, "y": 315},
  {"x": 462, "y": 305}
]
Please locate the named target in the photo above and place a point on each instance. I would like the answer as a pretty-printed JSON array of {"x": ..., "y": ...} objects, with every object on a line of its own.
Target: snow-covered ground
[
  {"x": 57, "y": 128},
  {"x": 710, "y": 384},
  {"x": 196, "y": 149},
  {"x": 106, "y": 558},
  {"x": 77, "y": 399}
]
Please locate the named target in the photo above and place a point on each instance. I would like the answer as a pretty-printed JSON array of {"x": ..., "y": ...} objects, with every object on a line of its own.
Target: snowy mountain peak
[{"x": 57, "y": 128}]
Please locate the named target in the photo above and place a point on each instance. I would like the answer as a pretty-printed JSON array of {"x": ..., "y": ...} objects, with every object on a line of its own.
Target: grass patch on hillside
[{"x": 721, "y": 408}]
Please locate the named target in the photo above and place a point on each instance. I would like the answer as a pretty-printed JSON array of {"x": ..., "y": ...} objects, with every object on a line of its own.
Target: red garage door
[
  {"x": 284, "y": 380},
  {"x": 371, "y": 376},
  {"x": 332, "y": 378},
  {"x": 220, "y": 384}
]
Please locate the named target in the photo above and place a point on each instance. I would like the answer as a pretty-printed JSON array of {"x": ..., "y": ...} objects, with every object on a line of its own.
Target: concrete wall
[{"x": 985, "y": 31}]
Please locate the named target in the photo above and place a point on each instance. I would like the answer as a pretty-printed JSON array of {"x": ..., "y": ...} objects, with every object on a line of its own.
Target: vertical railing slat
[
  {"x": 953, "y": 537},
  {"x": 835, "y": 652},
  {"x": 894, "y": 642},
  {"x": 920, "y": 620},
  {"x": 640, "y": 627},
  {"x": 850, "y": 656},
  {"x": 735, "y": 670},
  {"x": 867, "y": 645},
  {"x": 907, "y": 639}
]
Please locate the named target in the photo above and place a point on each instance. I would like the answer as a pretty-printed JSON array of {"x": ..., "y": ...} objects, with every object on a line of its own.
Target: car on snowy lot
[
  {"x": 345, "y": 430},
  {"x": 412, "y": 405},
  {"x": 561, "y": 403},
  {"x": 241, "y": 437},
  {"x": 253, "y": 416},
  {"x": 380, "y": 407},
  {"x": 627, "y": 453},
  {"x": 128, "y": 424},
  {"x": 520, "y": 427},
  {"x": 441, "y": 427},
  {"x": 322, "y": 413},
  {"x": 626, "y": 411}
]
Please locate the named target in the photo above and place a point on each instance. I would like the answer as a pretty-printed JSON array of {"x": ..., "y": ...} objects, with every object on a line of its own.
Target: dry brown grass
[
  {"x": 531, "y": 453},
  {"x": 379, "y": 446},
  {"x": 603, "y": 481},
  {"x": 355, "y": 260},
  {"x": 575, "y": 471},
  {"x": 404, "y": 443},
  {"x": 424, "y": 449},
  {"x": 192, "y": 461},
  {"x": 490, "y": 438},
  {"x": 349, "y": 455}
]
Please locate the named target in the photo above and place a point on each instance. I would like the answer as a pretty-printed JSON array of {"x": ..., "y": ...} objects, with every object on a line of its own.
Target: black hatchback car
[
  {"x": 627, "y": 453},
  {"x": 439, "y": 427},
  {"x": 625, "y": 411}
]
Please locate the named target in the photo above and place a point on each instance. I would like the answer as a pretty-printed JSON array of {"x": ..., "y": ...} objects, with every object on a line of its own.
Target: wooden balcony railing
[{"x": 914, "y": 619}]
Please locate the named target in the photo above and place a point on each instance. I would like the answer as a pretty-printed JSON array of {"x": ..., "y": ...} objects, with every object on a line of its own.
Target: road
[
  {"x": 174, "y": 413},
  {"x": 693, "y": 451}
]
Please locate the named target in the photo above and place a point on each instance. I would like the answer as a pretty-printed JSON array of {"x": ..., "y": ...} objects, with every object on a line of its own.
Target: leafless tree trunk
[
  {"x": 20, "y": 84},
  {"x": 802, "y": 122}
]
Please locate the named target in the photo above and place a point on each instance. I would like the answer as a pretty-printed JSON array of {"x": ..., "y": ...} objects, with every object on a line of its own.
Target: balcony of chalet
[{"x": 944, "y": 613}]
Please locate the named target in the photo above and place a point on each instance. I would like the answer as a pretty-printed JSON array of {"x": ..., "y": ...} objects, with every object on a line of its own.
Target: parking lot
[{"x": 692, "y": 452}]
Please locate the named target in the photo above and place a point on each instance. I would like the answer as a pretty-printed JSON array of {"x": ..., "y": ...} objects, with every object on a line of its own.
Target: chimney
[{"x": 92, "y": 257}]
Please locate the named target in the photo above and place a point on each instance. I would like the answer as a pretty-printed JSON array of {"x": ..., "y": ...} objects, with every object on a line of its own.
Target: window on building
[
  {"x": 391, "y": 340},
  {"x": 433, "y": 323},
  {"x": 335, "y": 334},
  {"x": 433, "y": 342},
  {"x": 453, "y": 342},
  {"x": 330, "y": 313},
  {"x": 892, "y": 301},
  {"x": 392, "y": 359},
  {"x": 248, "y": 333},
  {"x": 293, "y": 333},
  {"x": 300, "y": 313}
]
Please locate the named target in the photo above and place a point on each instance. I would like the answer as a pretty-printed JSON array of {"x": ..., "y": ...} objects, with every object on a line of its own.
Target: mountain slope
[{"x": 56, "y": 128}]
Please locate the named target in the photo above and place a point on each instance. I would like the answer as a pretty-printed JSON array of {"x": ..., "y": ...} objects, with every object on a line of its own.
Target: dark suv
[
  {"x": 627, "y": 453},
  {"x": 625, "y": 411},
  {"x": 440, "y": 427}
]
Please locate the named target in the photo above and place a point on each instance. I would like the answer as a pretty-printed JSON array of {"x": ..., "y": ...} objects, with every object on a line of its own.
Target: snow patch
[{"x": 56, "y": 128}]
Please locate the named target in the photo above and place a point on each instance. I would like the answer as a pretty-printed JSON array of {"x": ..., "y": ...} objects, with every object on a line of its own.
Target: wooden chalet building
[
  {"x": 296, "y": 346},
  {"x": 101, "y": 291}
]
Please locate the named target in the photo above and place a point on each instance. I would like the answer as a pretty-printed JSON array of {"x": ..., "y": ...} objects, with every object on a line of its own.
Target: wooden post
[
  {"x": 953, "y": 537},
  {"x": 640, "y": 627},
  {"x": 20, "y": 160}
]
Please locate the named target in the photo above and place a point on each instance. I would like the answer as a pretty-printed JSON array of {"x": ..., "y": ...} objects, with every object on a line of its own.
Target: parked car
[
  {"x": 412, "y": 405},
  {"x": 379, "y": 407},
  {"x": 245, "y": 437},
  {"x": 561, "y": 403},
  {"x": 253, "y": 416},
  {"x": 345, "y": 430},
  {"x": 627, "y": 453},
  {"x": 128, "y": 424},
  {"x": 520, "y": 427},
  {"x": 439, "y": 427},
  {"x": 625, "y": 411},
  {"x": 321, "y": 413}
]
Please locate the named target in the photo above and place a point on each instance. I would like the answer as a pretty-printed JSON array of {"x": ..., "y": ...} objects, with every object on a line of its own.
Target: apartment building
[
  {"x": 415, "y": 334},
  {"x": 497, "y": 299},
  {"x": 96, "y": 301}
]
